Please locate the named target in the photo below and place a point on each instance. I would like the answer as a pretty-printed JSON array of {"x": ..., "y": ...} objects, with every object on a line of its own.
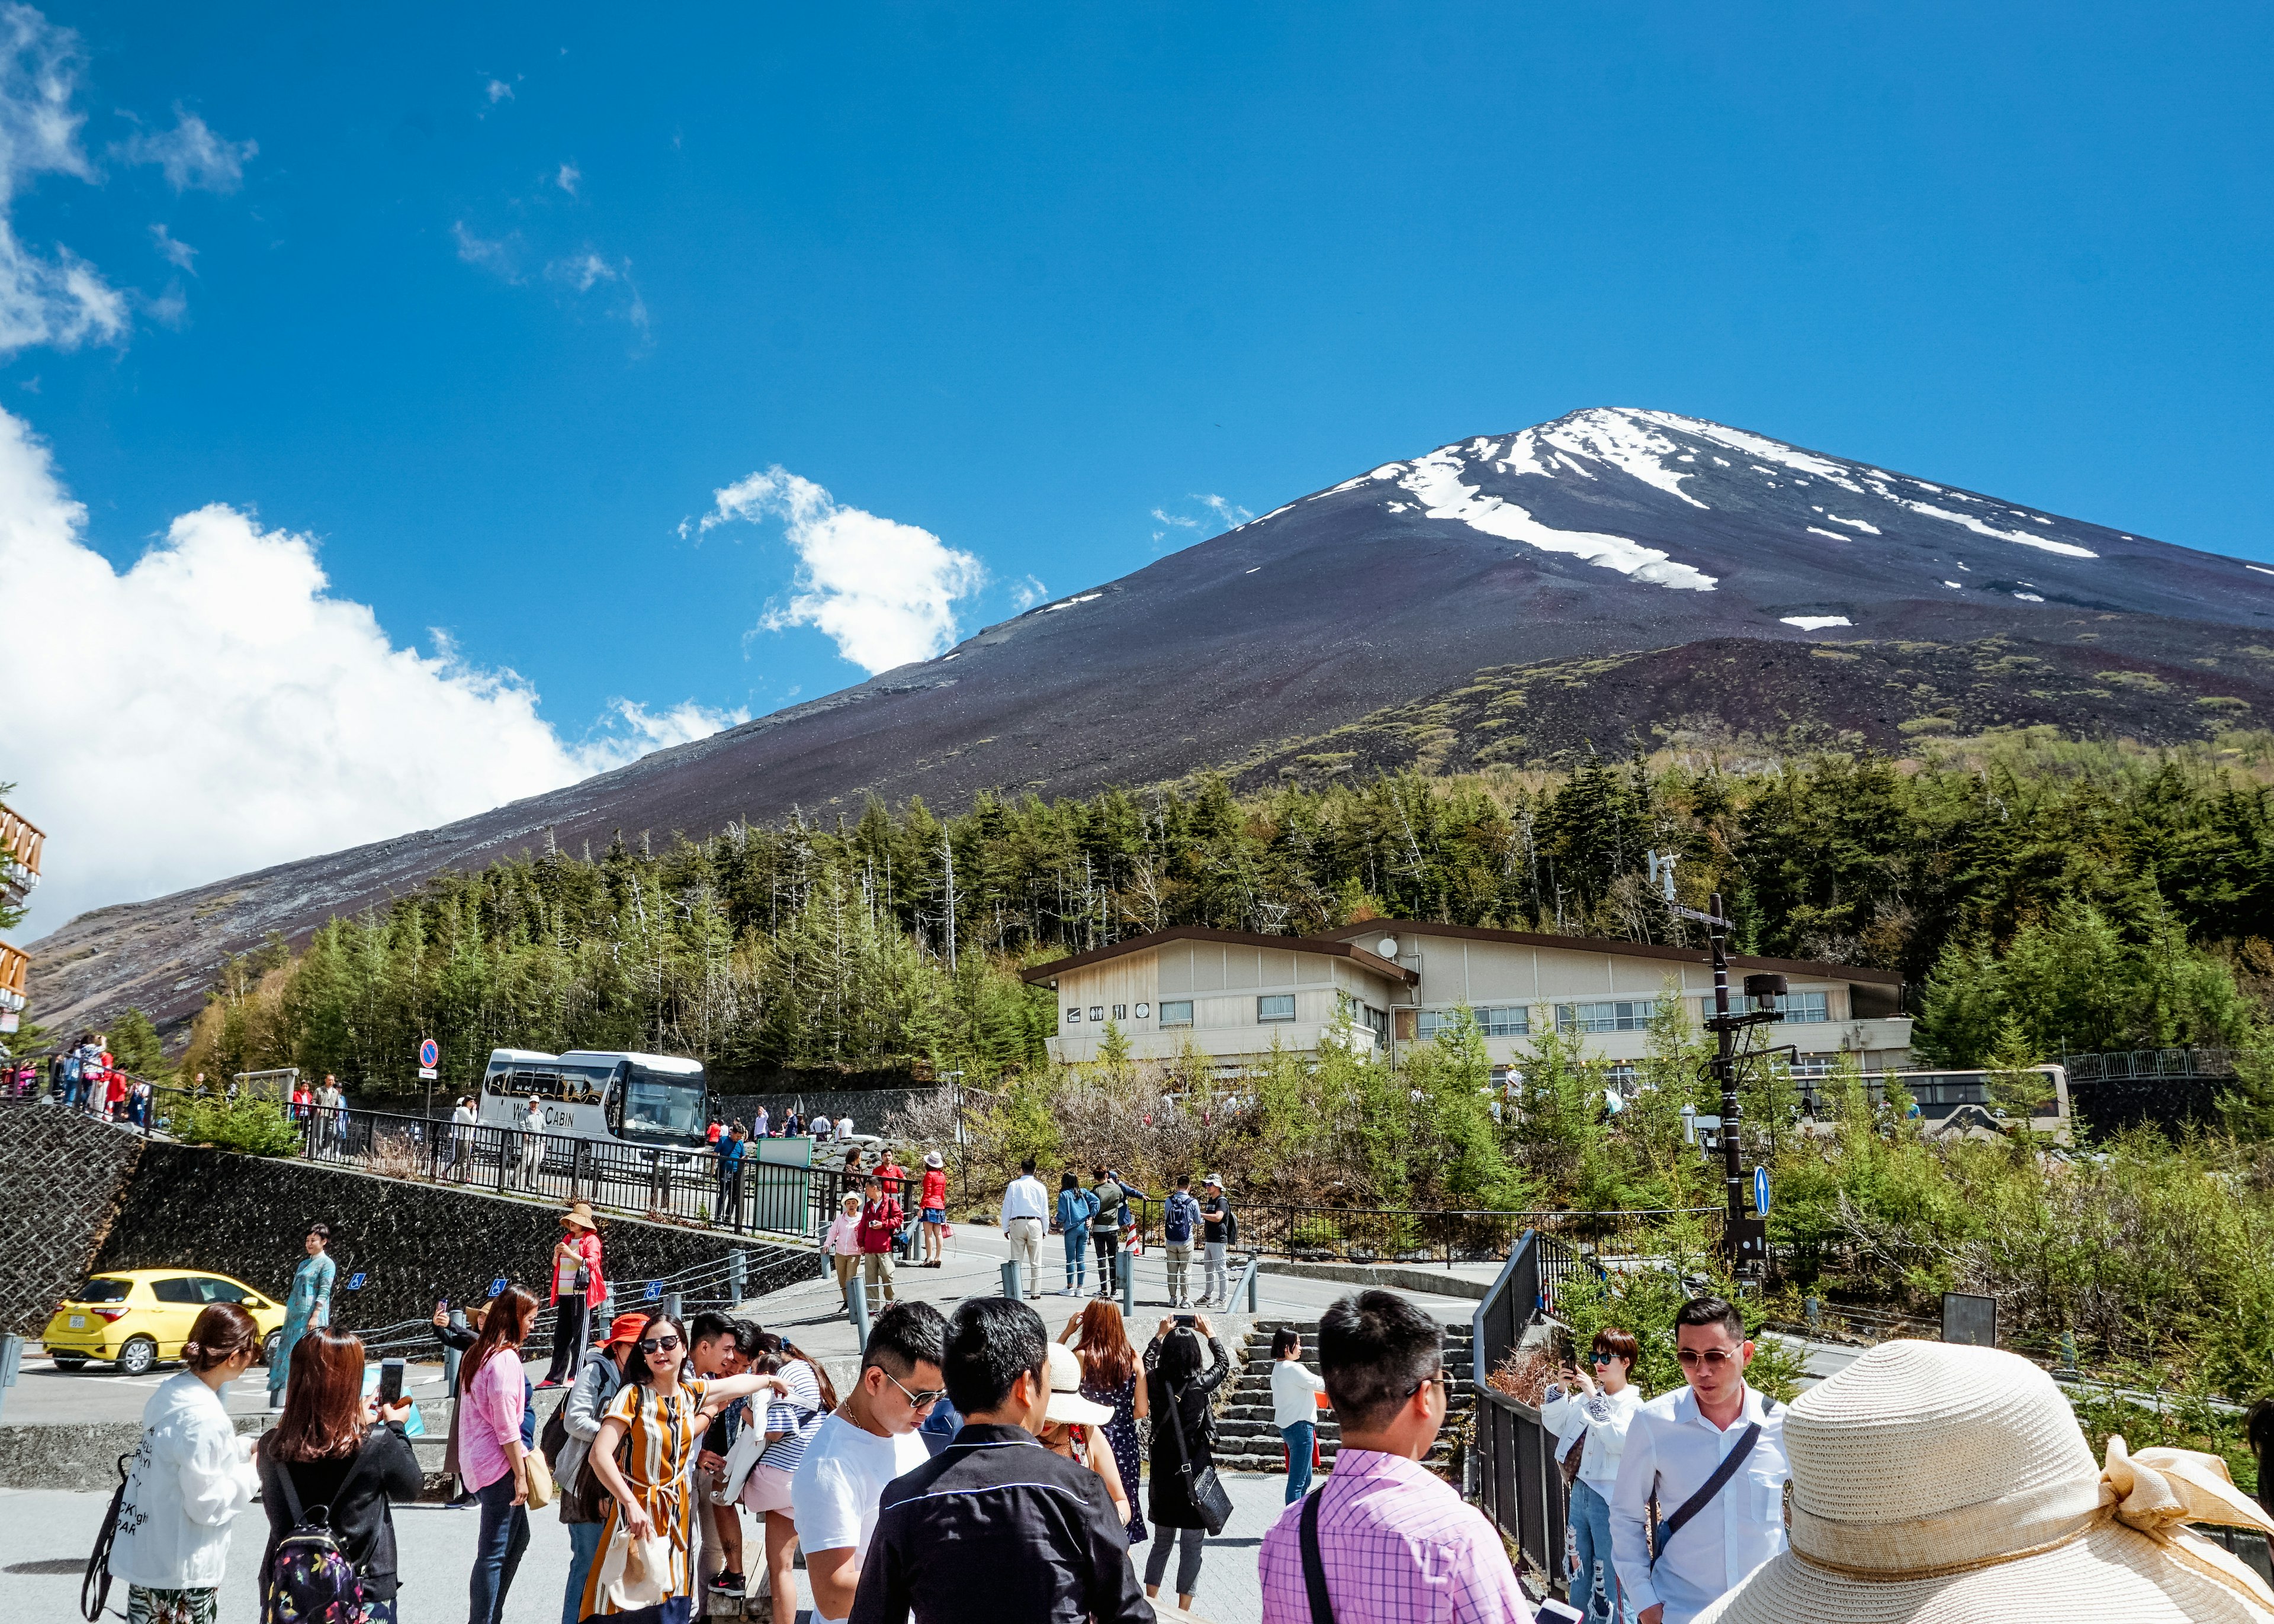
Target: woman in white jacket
[
  {"x": 190, "y": 1476},
  {"x": 1590, "y": 1413}
]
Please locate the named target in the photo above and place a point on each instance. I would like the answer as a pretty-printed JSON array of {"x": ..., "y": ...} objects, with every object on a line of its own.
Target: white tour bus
[{"x": 649, "y": 1101}]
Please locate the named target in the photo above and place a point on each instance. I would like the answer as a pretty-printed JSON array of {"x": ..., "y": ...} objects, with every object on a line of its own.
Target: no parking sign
[{"x": 430, "y": 1055}]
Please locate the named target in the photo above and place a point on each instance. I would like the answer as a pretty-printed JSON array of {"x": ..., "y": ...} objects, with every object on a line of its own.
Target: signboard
[
  {"x": 355, "y": 1281},
  {"x": 430, "y": 1053},
  {"x": 497, "y": 1285},
  {"x": 1761, "y": 1190},
  {"x": 1745, "y": 1241},
  {"x": 1970, "y": 1319},
  {"x": 654, "y": 1290}
]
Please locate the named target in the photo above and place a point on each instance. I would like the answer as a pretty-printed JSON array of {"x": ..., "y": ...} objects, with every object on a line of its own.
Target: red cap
[{"x": 627, "y": 1327}]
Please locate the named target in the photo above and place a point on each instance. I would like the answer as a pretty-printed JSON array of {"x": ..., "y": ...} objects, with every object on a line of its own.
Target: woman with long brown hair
[
  {"x": 189, "y": 1480},
  {"x": 1110, "y": 1375},
  {"x": 494, "y": 1447},
  {"x": 334, "y": 1448},
  {"x": 793, "y": 1417}
]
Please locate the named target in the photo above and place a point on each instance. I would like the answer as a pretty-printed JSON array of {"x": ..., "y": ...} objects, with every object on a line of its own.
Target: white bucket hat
[
  {"x": 931, "y": 1159},
  {"x": 1950, "y": 1485},
  {"x": 1068, "y": 1408}
]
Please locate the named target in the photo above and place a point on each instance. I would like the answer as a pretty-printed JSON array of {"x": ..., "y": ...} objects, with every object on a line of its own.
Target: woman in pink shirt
[{"x": 493, "y": 1448}]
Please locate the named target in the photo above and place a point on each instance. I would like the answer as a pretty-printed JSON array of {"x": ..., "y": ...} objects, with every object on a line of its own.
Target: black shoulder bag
[
  {"x": 94, "y": 1585},
  {"x": 1201, "y": 1487},
  {"x": 1663, "y": 1533},
  {"x": 1315, "y": 1565}
]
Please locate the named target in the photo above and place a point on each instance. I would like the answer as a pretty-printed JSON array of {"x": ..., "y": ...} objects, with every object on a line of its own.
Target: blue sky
[{"x": 498, "y": 302}]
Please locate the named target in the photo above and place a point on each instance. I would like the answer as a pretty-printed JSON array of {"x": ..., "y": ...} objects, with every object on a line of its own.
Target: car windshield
[
  {"x": 100, "y": 1291},
  {"x": 658, "y": 1107}
]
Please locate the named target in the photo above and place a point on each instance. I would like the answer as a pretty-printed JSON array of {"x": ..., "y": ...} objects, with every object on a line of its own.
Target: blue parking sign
[
  {"x": 1761, "y": 1190},
  {"x": 654, "y": 1289}
]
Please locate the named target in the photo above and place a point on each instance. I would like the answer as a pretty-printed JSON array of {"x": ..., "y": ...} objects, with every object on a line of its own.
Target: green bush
[{"x": 249, "y": 1126}]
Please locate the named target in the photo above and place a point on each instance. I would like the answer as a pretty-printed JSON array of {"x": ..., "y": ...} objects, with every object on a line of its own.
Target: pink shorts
[{"x": 767, "y": 1488}]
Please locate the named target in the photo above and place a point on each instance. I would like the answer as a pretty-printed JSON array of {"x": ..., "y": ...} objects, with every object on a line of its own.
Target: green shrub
[{"x": 249, "y": 1126}]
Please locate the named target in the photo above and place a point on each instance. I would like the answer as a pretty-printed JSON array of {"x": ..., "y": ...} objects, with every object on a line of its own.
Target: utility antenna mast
[{"x": 947, "y": 851}]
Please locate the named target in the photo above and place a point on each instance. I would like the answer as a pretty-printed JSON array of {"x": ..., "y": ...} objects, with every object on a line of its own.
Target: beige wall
[{"x": 1223, "y": 981}]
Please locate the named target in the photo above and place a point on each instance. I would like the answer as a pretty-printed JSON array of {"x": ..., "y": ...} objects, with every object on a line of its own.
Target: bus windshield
[{"x": 660, "y": 1106}]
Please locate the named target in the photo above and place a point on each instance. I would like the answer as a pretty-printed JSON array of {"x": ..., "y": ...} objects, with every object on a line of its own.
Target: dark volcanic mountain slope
[{"x": 1607, "y": 533}]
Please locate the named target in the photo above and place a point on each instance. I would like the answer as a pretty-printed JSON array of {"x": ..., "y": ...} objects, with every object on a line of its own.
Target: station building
[{"x": 1228, "y": 995}]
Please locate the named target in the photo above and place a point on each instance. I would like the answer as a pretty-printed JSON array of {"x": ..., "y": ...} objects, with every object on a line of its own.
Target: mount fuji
[{"x": 1615, "y": 577}]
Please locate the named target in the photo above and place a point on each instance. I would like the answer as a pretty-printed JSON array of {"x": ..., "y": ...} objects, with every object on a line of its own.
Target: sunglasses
[
  {"x": 659, "y": 1344},
  {"x": 1442, "y": 1379},
  {"x": 1600, "y": 1358},
  {"x": 924, "y": 1400},
  {"x": 1710, "y": 1358}
]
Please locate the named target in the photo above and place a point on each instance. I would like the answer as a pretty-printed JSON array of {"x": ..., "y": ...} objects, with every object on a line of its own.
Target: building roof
[
  {"x": 1604, "y": 944},
  {"x": 1237, "y": 938}
]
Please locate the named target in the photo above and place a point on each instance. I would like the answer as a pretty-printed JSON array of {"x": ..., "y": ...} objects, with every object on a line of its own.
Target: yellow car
[{"x": 139, "y": 1317}]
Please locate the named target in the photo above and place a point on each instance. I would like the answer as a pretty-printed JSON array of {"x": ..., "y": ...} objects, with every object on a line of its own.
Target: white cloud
[
  {"x": 491, "y": 253},
  {"x": 1028, "y": 593},
  {"x": 60, "y": 298},
  {"x": 883, "y": 591},
  {"x": 194, "y": 155},
  {"x": 244, "y": 714},
  {"x": 1227, "y": 515},
  {"x": 500, "y": 91},
  {"x": 569, "y": 178},
  {"x": 582, "y": 270},
  {"x": 174, "y": 251}
]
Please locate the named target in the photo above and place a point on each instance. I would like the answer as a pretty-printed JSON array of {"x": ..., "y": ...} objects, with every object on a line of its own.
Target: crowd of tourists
[{"x": 85, "y": 1076}]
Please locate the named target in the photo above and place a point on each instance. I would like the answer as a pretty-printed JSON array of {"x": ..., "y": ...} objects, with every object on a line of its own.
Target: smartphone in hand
[{"x": 390, "y": 1383}]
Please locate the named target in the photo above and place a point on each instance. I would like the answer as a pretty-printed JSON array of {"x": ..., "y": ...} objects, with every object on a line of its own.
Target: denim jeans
[
  {"x": 504, "y": 1536},
  {"x": 1590, "y": 1538},
  {"x": 583, "y": 1546},
  {"x": 1185, "y": 1542},
  {"x": 1077, "y": 1258},
  {"x": 1299, "y": 1438}
]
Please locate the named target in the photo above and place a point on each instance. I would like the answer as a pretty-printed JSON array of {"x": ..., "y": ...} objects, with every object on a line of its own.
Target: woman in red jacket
[
  {"x": 576, "y": 1287},
  {"x": 932, "y": 1205}
]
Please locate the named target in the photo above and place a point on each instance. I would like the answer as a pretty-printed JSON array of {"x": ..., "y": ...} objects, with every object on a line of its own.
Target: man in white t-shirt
[
  {"x": 871, "y": 1439},
  {"x": 463, "y": 1122}
]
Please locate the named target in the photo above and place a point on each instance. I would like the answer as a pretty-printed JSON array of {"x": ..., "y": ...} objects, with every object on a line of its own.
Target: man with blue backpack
[{"x": 1179, "y": 1216}]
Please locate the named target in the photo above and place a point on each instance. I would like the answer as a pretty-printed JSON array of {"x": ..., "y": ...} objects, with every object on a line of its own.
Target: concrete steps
[{"x": 1247, "y": 1441}]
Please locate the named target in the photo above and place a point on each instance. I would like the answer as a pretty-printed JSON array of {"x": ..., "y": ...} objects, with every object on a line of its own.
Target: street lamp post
[{"x": 1745, "y": 1238}]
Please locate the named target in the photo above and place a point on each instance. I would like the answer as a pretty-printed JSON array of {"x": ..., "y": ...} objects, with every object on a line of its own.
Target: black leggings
[
  {"x": 1187, "y": 1543},
  {"x": 1108, "y": 1242}
]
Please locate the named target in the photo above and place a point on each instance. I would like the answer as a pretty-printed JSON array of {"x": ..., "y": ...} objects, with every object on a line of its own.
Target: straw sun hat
[
  {"x": 1068, "y": 1408},
  {"x": 1952, "y": 1485}
]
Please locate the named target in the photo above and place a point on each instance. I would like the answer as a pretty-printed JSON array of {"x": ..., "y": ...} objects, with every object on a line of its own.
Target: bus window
[{"x": 663, "y": 1105}]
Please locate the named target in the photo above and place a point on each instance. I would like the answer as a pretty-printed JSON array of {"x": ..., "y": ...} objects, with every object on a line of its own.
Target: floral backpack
[{"x": 310, "y": 1580}]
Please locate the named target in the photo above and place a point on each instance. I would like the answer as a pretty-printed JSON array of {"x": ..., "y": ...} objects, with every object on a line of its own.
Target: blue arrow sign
[{"x": 1761, "y": 1190}]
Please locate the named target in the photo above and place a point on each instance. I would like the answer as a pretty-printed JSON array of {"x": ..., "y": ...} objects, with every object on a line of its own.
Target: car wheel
[
  {"x": 63, "y": 1364},
  {"x": 136, "y": 1358},
  {"x": 269, "y": 1345}
]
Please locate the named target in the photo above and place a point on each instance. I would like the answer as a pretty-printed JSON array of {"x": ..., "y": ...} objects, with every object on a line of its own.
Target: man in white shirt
[
  {"x": 532, "y": 1143},
  {"x": 871, "y": 1439},
  {"x": 1589, "y": 1411},
  {"x": 844, "y": 1127},
  {"x": 1677, "y": 1445},
  {"x": 1025, "y": 1219},
  {"x": 463, "y": 1122}
]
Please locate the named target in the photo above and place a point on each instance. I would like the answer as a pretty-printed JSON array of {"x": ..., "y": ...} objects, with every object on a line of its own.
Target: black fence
[
  {"x": 680, "y": 1183},
  {"x": 1518, "y": 1484}
]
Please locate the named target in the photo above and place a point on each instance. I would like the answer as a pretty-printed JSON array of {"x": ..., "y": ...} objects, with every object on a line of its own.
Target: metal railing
[
  {"x": 674, "y": 1183},
  {"x": 2122, "y": 1065},
  {"x": 1518, "y": 1484}
]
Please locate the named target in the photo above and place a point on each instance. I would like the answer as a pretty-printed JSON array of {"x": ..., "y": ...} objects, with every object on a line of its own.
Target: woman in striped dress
[{"x": 647, "y": 1439}]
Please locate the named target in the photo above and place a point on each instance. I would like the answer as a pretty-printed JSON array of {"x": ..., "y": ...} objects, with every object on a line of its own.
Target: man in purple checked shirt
[{"x": 1390, "y": 1539}]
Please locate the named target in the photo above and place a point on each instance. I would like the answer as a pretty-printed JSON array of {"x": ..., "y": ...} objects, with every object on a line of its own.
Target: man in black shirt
[
  {"x": 997, "y": 1527},
  {"x": 1215, "y": 1214}
]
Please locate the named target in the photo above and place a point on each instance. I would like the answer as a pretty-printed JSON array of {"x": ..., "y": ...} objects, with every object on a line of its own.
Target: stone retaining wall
[
  {"x": 62, "y": 1174},
  {"x": 188, "y": 1206}
]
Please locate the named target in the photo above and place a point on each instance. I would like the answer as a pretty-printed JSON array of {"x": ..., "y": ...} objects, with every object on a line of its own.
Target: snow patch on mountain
[
  {"x": 1815, "y": 622},
  {"x": 1436, "y": 480},
  {"x": 2067, "y": 549}
]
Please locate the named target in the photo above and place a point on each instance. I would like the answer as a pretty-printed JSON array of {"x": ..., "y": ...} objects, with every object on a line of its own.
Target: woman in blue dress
[{"x": 309, "y": 1304}]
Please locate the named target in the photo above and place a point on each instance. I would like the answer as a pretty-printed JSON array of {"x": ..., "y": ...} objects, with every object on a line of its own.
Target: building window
[
  {"x": 1275, "y": 1006},
  {"x": 1143, "y": 1011},
  {"x": 1797, "y": 1008},
  {"x": 1178, "y": 1013},
  {"x": 1097, "y": 1011},
  {"x": 1073, "y": 1017},
  {"x": 1613, "y": 1015},
  {"x": 1121, "y": 1011},
  {"x": 1512, "y": 1020},
  {"x": 1377, "y": 1021}
]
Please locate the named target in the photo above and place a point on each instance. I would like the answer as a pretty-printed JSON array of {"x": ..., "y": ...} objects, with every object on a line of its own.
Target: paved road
[{"x": 436, "y": 1547}]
